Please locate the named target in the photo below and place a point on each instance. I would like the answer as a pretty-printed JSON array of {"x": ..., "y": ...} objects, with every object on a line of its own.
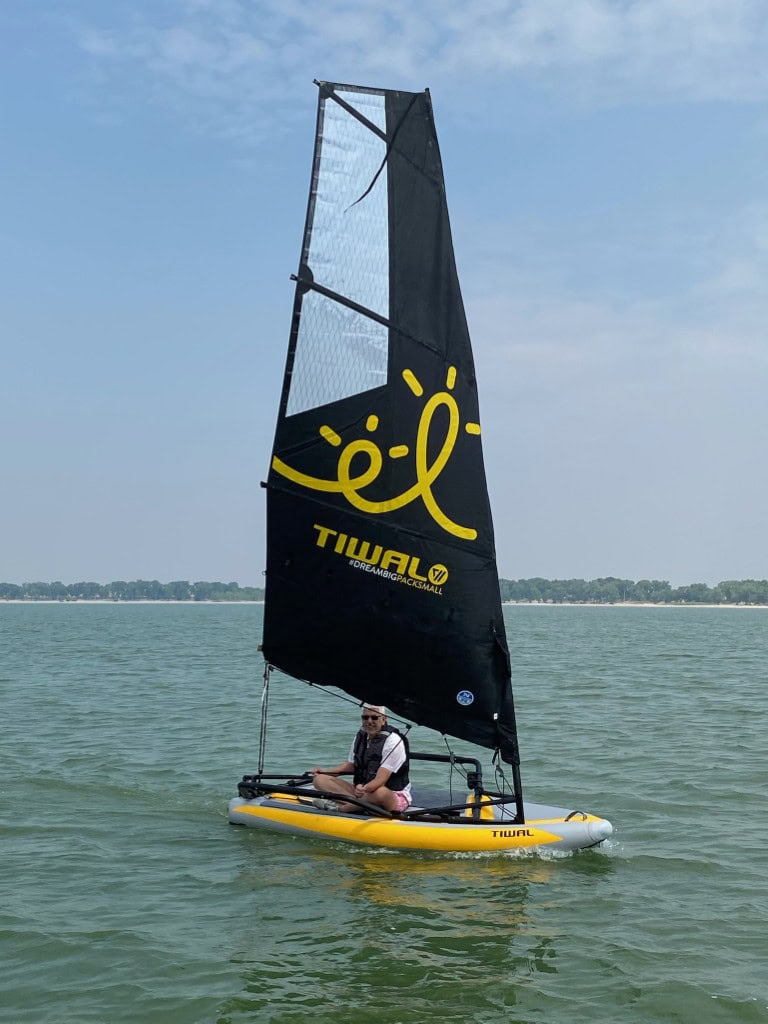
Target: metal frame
[{"x": 294, "y": 785}]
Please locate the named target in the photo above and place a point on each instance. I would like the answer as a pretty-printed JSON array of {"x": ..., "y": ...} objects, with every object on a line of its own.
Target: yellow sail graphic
[{"x": 426, "y": 472}]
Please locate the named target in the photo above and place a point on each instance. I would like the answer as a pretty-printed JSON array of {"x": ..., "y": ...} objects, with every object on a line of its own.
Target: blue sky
[{"x": 606, "y": 172}]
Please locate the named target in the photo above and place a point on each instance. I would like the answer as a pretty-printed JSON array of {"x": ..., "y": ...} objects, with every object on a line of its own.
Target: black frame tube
[{"x": 294, "y": 785}]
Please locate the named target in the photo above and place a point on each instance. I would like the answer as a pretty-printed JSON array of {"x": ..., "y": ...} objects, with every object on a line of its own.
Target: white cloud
[
  {"x": 529, "y": 299},
  {"x": 228, "y": 52},
  {"x": 683, "y": 364},
  {"x": 689, "y": 49},
  {"x": 740, "y": 257},
  {"x": 99, "y": 44}
]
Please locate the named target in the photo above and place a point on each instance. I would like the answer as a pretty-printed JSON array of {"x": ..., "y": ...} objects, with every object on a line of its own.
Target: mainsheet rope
[{"x": 341, "y": 696}]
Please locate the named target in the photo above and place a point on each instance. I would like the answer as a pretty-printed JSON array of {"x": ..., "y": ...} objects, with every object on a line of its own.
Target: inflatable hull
[{"x": 545, "y": 828}]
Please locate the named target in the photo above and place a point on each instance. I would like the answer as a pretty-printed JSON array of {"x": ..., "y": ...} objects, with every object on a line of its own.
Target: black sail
[{"x": 381, "y": 567}]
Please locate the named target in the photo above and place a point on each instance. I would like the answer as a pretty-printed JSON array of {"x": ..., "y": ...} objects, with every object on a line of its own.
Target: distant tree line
[
  {"x": 611, "y": 590},
  {"x": 606, "y": 590},
  {"x": 137, "y": 590}
]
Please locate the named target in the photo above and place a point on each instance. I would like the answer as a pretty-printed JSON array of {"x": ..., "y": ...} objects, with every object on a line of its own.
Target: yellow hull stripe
[{"x": 407, "y": 835}]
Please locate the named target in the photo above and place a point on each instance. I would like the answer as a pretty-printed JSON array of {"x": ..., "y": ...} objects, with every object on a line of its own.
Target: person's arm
[{"x": 379, "y": 779}]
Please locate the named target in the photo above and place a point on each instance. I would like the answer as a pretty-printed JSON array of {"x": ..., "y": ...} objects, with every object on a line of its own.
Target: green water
[{"x": 127, "y": 897}]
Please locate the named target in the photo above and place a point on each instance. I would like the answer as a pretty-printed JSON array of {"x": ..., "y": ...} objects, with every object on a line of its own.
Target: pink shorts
[{"x": 403, "y": 800}]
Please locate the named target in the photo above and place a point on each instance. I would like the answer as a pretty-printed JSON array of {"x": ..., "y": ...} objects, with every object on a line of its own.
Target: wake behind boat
[{"x": 381, "y": 568}]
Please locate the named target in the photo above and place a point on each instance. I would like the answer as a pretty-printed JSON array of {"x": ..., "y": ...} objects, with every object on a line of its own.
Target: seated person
[{"x": 379, "y": 759}]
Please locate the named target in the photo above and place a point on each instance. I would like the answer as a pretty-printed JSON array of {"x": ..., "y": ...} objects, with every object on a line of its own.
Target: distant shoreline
[
  {"x": 625, "y": 604},
  {"x": 109, "y": 600},
  {"x": 608, "y": 591}
]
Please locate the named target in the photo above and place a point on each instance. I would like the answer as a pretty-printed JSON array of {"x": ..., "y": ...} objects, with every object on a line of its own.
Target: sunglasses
[{"x": 370, "y": 718}]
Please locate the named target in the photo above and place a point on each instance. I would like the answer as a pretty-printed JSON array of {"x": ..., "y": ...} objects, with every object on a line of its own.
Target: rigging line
[
  {"x": 390, "y": 146},
  {"x": 340, "y": 696},
  {"x": 498, "y": 770},
  {"x": 455, "y": 767},
  {"x": 264, "y": 713}
]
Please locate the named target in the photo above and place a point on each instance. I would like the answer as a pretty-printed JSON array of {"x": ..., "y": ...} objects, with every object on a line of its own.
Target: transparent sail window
[
  {"x": 355, "y": 362},
  {"x": 340, "y": 353}
]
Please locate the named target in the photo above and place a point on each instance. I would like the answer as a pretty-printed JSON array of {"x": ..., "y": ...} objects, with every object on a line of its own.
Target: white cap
[{"x": 379, "y": 708}]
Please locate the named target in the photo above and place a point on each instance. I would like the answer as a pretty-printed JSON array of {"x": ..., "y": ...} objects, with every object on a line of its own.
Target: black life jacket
[{"x": 367, "y": 758}]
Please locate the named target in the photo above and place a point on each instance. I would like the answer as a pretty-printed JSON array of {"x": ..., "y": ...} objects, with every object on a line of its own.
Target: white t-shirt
[{"x": 392, "y": 756}]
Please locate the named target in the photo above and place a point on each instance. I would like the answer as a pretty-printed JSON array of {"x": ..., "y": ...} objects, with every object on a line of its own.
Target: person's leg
[
  {"x": 385, "y": 798},
  {"x": 382, "y": 797},
  {"x": 333, "y": 784}
]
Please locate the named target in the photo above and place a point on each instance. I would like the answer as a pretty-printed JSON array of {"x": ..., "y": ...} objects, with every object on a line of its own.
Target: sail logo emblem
[
  {"x": 465, "y": 698},
  {"x": 426, "y": 472},
  {"x": 396, "y": 566}
]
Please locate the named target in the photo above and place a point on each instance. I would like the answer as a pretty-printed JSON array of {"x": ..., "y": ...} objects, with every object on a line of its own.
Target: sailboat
[{"x": 381, "y": 577}]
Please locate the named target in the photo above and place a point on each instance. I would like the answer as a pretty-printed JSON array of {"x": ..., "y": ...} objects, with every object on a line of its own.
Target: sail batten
[
  {"x": 381, "y": 571},
  {"x": 351, "y": 109},
  {"x": 307, "y": 284}
]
